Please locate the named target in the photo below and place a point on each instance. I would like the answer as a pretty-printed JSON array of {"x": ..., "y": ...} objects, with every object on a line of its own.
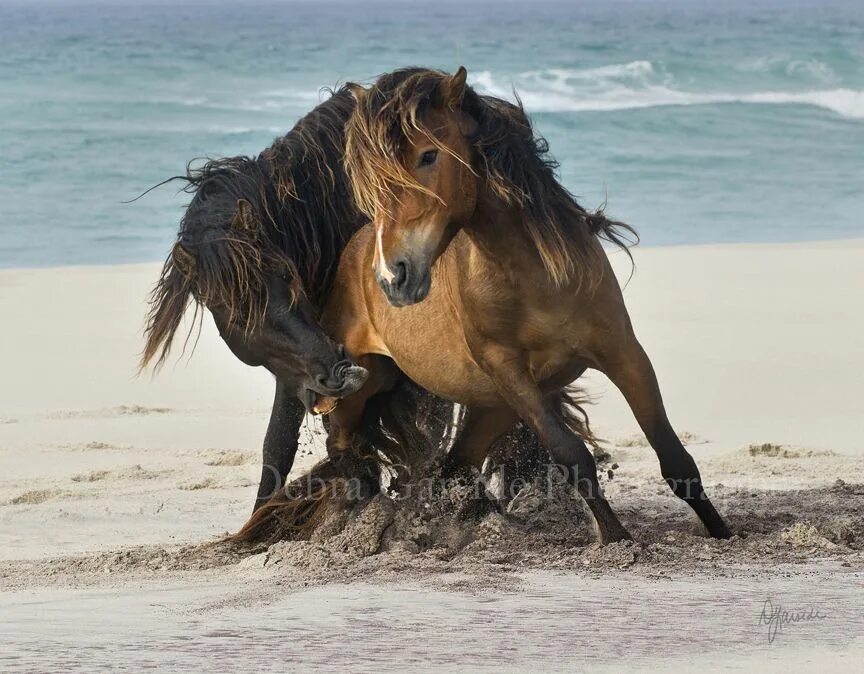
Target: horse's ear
[
  {"x": 244, "y": 218},
  {"x": 356, "y": 90},
  {"x": 183, "y": 259},
  {"x": 453, "y": 88}
]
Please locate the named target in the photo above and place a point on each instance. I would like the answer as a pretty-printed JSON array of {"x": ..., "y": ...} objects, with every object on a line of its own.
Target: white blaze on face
[{"x": 383, "y": 270}]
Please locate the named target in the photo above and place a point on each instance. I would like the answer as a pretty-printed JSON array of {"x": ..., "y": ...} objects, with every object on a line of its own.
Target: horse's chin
[
  {"x": 423, "y": 289},
  {"x": 318, "y": 404},
  {"x": 324, "y": 404}
]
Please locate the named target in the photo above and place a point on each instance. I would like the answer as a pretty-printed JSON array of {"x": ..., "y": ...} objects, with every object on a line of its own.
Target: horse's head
[
  {"x": 409, "y": 155},
  {"x": 225, "y": 260}
]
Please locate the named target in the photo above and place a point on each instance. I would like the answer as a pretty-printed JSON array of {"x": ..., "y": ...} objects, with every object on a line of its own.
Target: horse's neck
[{"x": 499, "y": 240}]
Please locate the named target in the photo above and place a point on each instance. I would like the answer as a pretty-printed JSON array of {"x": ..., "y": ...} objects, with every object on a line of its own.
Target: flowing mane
[
  {"x": 289, "y": 211},
  {"x": 512, "y": 160}
]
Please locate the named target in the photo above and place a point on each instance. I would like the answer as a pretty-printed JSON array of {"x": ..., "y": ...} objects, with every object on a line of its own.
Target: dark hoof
[
  {"x": 614, "y": 535},
  {"x": 720, "y": 531},
  {"x": 713, "y": 522}
]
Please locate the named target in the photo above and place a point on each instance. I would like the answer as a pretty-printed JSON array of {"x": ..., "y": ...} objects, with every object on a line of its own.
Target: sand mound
[
  {"x": 547, "y": 528},
  {"x": 135, "y": 472},
  {"x": 231, "y": 458},
  {"x": 204, "y": 483},
  {"x": 36, "y": 496}
]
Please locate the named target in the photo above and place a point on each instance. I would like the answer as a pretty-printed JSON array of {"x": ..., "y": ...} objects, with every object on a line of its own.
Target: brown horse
[{"x": 499, "y": 290}]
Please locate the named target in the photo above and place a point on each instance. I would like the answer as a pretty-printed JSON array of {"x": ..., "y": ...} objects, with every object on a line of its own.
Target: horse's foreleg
[
  {"x": 280, "y": 443},
  {"x": 345, "y": 418},
  {"x": 631, "y": 371},
  {"x": 543, "y": 414}
]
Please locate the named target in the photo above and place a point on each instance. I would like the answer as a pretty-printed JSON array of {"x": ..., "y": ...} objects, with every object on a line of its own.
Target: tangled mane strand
[
  {"x": 314, "y": 209},
  {"x": 287, "y": 212},
  {"x": 512, "y": 160},
  {"x": 385, "y": 116}
]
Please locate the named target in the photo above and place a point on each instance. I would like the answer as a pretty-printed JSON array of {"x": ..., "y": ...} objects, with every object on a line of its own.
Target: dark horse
[
  {"x": 258, "y": 246},
  {"x": 496, "y": 290}
]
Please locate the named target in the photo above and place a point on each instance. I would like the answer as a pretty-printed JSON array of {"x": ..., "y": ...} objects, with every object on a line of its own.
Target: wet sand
[{"x": 553, "y": 621}]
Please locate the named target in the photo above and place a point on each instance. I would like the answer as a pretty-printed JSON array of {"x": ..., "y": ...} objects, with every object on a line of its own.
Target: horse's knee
[{"x": 578, "y": 464}]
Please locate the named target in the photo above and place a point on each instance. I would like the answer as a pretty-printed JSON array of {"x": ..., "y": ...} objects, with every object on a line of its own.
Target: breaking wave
[{"x": 639, "y": 84}]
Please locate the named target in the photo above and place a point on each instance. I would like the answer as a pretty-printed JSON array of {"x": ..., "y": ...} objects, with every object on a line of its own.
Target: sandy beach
[{"x": 110, "y": 482}]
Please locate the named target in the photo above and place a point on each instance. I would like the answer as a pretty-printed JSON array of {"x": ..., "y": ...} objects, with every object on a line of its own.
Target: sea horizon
[{"x": 695, "y": 124}]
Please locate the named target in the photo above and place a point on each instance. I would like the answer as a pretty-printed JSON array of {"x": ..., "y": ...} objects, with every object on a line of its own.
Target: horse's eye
[{"x": 428, "y": 158}]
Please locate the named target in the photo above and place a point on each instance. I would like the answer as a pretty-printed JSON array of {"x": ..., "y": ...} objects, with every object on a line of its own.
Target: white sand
[{"x": 752, "y": 344}]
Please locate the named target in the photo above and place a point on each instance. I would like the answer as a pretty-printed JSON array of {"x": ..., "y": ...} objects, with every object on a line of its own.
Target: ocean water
[{"x": 694, "y": 121}]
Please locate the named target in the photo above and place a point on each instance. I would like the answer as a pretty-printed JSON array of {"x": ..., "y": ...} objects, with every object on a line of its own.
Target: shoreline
[{"x": 856, "y": 239}]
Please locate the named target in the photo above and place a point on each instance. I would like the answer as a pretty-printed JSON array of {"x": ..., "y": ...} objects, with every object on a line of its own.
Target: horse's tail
[
  {"x": 297, "y": 509},
  {"x": 168, "y": 302},
  {"x": 573, "y": 402}
]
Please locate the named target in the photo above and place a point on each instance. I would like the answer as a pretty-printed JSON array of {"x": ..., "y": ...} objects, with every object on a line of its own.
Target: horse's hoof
[
  {"x": 720, "y": 531},
  {"x": 615, "y": 535}
]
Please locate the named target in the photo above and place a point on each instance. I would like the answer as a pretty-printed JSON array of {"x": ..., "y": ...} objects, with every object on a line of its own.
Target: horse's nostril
[
  {"x": 338, "y": 371},
  {"x": 400, "y": 274},
  {"x": 335, "y": 379}
]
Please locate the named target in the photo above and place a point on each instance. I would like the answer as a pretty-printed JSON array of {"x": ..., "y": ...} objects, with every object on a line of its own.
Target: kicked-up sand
[{"x": 113, "y": 489}]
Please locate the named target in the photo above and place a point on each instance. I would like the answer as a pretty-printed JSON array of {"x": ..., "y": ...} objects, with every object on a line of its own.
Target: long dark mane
[
  {"x": 289, "y": 211},
  {"x": 510, "y": 157}
]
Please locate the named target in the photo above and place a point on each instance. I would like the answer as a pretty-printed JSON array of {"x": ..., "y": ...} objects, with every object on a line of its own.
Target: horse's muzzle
[
  {"x": 406, "y": 285},
  {"x": 350, "y": 376},
  {"x": 344, "y": 379}
]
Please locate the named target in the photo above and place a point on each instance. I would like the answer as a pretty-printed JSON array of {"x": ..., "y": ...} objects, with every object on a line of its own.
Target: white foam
[
  {"x": 846, "y": 102},
  {"x": 640, "y": 85},
  {"x": 807, "y": 69}
]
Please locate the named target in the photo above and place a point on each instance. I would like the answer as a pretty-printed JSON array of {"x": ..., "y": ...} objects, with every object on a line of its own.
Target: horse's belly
[{"x": 468, "y": 386}]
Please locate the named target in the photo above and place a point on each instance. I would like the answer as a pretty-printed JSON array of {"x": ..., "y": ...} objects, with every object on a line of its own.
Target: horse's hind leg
[
  {"x": 543, "y": 414},
  {"x": 482, "y": 427},
  {"x": 631, "y": 371},
  {"x": 519, "y": 457}
]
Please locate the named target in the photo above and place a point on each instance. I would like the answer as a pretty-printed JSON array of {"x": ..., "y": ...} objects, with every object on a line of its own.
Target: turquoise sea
[{"x": 694, "y": 121}]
